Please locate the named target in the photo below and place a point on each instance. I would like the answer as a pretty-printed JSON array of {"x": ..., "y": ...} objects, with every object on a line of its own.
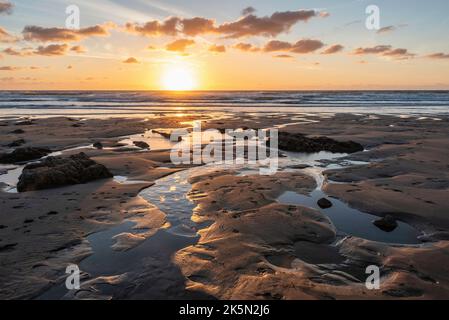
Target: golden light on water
[{"x": 178, "y": 78}]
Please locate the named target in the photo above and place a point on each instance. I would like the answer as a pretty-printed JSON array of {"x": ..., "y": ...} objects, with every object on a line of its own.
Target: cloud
[
  {"x": 78, "y": 49},
  {"x": 372, "y": 50},
  {"x": 285, "y": 56},
  {"x": 217, "y": 48},
  {"x": 6, "y": 37},
  {"x": 276, "y": 45},
  {"x": 248, "y": 10},
  {"x": 196, "y": 26},
  {"x": 131, "y": 60},
  {"x": 9, "y": 68},
  {"x": 179, "y": 45},
  {"x": 52, "y": 50},
  {"x": 438, "y": 55},
  {"x": 155, "y": 27},
  {"x": 248, "y": 25},
  {"x": 18, "y": 53},
  {"x": 268, "y": 26},
  {"x": 6, "y": 7},
  {"x": 246, "y": 47},
  {"x": 386, "y": 51},
  {"x": 386, "y": 29},
  {"x": 302, "y": 46},
  {"x": 333, "y": 49},
  {"x": 36, "y": 33},
  {"x": 400, "y": 54}
]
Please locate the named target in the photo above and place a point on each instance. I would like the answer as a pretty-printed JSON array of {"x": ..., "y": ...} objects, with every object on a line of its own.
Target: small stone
[
  {"x": 16, "y": 143},
  {"x": 387, "y": 223},
  {"x": 323, "y": 203},
  {"x": 141, "y": 144},
  {"x": 17, "y": 131},
  {"x": 98, "y": 145}
]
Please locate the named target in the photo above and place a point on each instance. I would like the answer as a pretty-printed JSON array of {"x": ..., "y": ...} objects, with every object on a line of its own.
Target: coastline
[{"x": 406, "y": 177}]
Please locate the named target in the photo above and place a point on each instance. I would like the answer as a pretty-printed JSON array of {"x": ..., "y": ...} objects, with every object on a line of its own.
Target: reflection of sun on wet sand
[{"x": 158, "y": 231}]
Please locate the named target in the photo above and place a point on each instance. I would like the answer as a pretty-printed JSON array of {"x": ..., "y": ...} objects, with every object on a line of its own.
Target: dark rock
[
  {"x": 24, "y": 154},
  {"x": 323, "y": 203},
  {"x": 300, "y": 166},
  {"x": 7, "y": 247},
  {"x": 98, "y": 145},
  {"x": 141, "y": 144},
  {"x": 167, "y": 135},
  {"x": 16, "y": 143},
  {"x": 53, "y": 172},
  {"x": 24, "y": 123},
  {"x": 387, "y": 223},
  {"x": 298, "y": 142},
  {"x": 18, "y": 131}
]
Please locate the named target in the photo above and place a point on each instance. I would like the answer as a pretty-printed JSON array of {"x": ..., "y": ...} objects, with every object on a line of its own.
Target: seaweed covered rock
[
  {"x": 24, "y": 154},
  {"x": 53, "y": 172},
  {"x": 298, "y": 142}
]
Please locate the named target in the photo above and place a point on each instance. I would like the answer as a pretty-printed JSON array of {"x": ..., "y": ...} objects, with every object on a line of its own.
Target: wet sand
[{"x": 241, "y": 241}]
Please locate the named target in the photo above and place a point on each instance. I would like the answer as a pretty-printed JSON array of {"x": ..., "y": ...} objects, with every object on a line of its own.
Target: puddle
[
  {"x": 154, "y": 140},
  {"x": 352, "y": 221},
  {"x": 347, "y": 220},
  {"x": 169, "y": 194},
  {"x": 125, "y": 180}
]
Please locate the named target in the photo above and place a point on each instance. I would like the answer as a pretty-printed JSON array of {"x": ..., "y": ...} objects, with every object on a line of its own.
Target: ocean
[{"x": 108, "y": 103}]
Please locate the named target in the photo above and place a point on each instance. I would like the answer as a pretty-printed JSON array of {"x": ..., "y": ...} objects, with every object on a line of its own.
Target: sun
[{"x": 178, "y": 78}]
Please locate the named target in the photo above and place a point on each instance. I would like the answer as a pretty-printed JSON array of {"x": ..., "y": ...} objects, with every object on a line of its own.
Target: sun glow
[{"x": 178, "y": 78}]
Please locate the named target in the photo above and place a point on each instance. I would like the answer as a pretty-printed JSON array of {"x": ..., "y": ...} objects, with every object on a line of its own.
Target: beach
[{"x": 157, "y": 230}]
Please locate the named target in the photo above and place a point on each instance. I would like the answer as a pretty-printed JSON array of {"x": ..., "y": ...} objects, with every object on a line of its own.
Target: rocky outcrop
[
  {"x": 16, "y": 143},
  {"x": 387, "y": 223},
  {"x": 18, "y": 131},
  {"x": 141, "y": 144},
  {"x": 298, "y": 142},
  {"x": 55, "y": 172},
  {"x": 24, "y": 154}
]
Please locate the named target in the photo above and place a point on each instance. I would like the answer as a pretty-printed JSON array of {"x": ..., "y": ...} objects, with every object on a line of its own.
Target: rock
[
  {"x": 17, "y": 131},
  {"x": 168, "y": 135},
  {"x": 24, "y": 123},
  {"x": 24, "y": 154},
  {"x": 300, "y": 166},
  {"x": 323, "y": 203},
  {"x": 298, "y": 142},
  {"x": 53, "y": 172},
  {"x": 98, "y": 145},
  {"x": 16, "y": 143},
  {"x": 141, "y": 144},
  {"x": 387, "y": 223}
]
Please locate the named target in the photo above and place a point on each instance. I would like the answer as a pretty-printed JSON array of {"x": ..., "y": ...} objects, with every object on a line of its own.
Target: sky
[{"x": 223, "y": 45}]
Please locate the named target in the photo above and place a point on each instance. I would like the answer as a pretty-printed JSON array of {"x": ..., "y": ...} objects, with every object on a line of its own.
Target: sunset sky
[{"x": 224, "y": 45}]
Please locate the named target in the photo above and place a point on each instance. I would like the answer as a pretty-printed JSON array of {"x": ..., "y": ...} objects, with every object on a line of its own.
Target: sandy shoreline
[{"x": 253, "y": 247}]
